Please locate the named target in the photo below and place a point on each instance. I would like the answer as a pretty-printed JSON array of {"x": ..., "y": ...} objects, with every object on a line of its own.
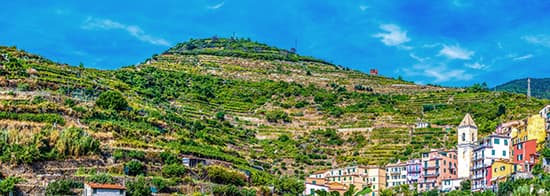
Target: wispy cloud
[
  {"x": 456, "y": 52},
  {"x": 419, "y": 59},
  {"x": 216, "y": 6},
  {"x": 393, "y": 36},
  {"x": 524, "y": 57},
  {"x": 92, "y": 23},
  {"x": 363, "y": 7},
  {"x": 476, "y": 65},
  {"x": 541, "y": 40},
  {"x": 439, "y": 73}
]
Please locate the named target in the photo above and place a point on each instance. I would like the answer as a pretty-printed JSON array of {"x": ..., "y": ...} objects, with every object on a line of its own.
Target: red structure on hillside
[{"x": 373, "y": 72}]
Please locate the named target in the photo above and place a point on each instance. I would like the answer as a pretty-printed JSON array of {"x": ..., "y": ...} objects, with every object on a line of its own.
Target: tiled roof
[{"x": 106, "y": 186}]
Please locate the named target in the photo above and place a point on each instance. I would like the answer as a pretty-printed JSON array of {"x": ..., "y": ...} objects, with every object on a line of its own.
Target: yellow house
[
  {"x": 536, "y": 130},
  {"x": 529, "y": 129},
  {"x": 500, "y": 170}
]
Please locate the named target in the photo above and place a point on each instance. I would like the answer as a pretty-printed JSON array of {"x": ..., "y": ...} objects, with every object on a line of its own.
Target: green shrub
[
  {"x": 62, "y": 187},
  {"x": 136, "y": 154},
  {"x": 135, "y": 168},
  {"x": 138, "y": 187},
  {"x": 288, "y": 185},
  {"x": 276, "y": 116},
  {"x": 173, "y": 170},
  {"x": 221, "y": 175},
  {"x": 111, "y": 100},
  {"x": 8, "y": 185},
  {"x": 101, "y": 178},
  {"x": 161, "y": 184},
  {"x": 169, "y": 158}
]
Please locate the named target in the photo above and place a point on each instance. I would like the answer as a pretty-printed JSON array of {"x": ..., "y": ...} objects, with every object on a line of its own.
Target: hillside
[
  {"x": 540, "y": 87},
  {"x": 257, "y": 108}
]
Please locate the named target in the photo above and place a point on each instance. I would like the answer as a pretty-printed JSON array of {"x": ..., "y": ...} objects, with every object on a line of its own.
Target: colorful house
[
  {"x": 414, "y": 169},
  {"x": 355, "y": 175},
  {"x": 396, "y": 174},
  {"x": 437, "y": 165},
  {"x": 499, "y": 171},
  {"x": 376, "y": 178},
  {"x": 525, "y": 154},
  {"x": 487, "y": 150},
  {"x": 450, "y": 184},
  {"x": 528, "y": 138}
]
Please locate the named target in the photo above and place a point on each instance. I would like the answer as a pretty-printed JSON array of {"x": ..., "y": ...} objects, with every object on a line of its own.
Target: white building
[
  {"x": 487, "y": 150},
  {"x": 451, "y": 184},
  {"x": 95, "y": 189},
  {"x": 467, "y": 135},
  {"x": 396, "y": 174},
  {"x": 311, "y": 188}
]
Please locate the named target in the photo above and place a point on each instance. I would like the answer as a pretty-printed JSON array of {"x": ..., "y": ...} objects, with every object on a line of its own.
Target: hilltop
[
  {"x": 540, "y": 87},
  {"x": 256, "y": 108}
]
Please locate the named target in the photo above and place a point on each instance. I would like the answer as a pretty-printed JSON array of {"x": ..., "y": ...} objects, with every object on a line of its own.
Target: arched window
[
  {"x": 463, "y": 136},
  {"x": 472, "y": 139}
]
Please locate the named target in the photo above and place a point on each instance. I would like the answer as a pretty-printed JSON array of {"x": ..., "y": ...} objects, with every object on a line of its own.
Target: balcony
[
  {"x": 478, "y": 176},
  {"x": 431, "y": 175},
  {"x": 427, "y": 181},
  {"x": 395, "y": 173},
  {"x": 476, "y": 158}
]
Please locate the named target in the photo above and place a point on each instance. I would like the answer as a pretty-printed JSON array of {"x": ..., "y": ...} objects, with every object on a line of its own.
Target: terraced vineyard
[{"x": 264, "y": 110}]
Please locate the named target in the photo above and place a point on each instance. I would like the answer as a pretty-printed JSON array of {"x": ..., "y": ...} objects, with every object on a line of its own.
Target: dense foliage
[
  {"x": 540, "y": 87},
  {"x": 138, "y": 187},
  {"x": 222, "y": 175},
  {"x": 111, "y": 100},
  {"x": 7, "y": 185},
  {"x": 62, "y": 187}
]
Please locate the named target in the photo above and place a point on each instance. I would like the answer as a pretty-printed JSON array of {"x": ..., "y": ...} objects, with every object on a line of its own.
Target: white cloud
[
  {"x": 439, "y": 73},
  {"x": 106, "y": 24},
  {"x": 393, "y": 36},
  {"x": 456, "y": 52},
  {"x": 419, "y": 59},
  {"x": 363, "y": 7},
  {"x": 524, "y": 57},
  {"x": 475, "y": 65},
  {"x": 217, "y": 6},
  {"x": 542, "y": 40}
]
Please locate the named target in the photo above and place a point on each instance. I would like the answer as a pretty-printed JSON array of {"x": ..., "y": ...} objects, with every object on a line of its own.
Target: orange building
[{"x": 437, "y": 165}]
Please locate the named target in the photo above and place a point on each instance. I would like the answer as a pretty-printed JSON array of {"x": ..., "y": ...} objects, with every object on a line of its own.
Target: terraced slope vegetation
[
  {"x": 540, "y": 87},
  {"x": 241, "y": 104}
]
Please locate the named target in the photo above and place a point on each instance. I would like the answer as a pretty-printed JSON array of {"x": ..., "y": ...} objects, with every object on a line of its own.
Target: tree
[
  {"x": 386, "y": 192},
  {"x": 173, "y": 170},
  {"x": 465, "y": 185},
  {"x": 112, "y": 100},
  {"x": 222, "y": 175},
  {"x": 138, "y": 187},
  {"x": 220, "y": 115},
  {"x": 351, "y": 191},
  {"x": 80, "y": 69},
  {"x": 59, "y": 187},
  {"x": 289, "y": 185},
  {"x": 8, "y": 185},
  {"x": 135, "y": 168},
  {"x": 501, "y": 110},
  {"x": 101, "y": 178}
]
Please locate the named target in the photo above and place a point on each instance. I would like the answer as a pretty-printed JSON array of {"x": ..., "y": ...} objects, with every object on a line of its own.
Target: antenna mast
[{"x": 528, "y": 88}]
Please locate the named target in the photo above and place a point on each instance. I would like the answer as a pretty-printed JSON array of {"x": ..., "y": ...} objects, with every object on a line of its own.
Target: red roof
[{"x": 106, "y": 186}]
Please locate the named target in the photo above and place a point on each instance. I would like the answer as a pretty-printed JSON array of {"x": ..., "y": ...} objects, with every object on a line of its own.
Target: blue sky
[{"x": 447, "y": 42}]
